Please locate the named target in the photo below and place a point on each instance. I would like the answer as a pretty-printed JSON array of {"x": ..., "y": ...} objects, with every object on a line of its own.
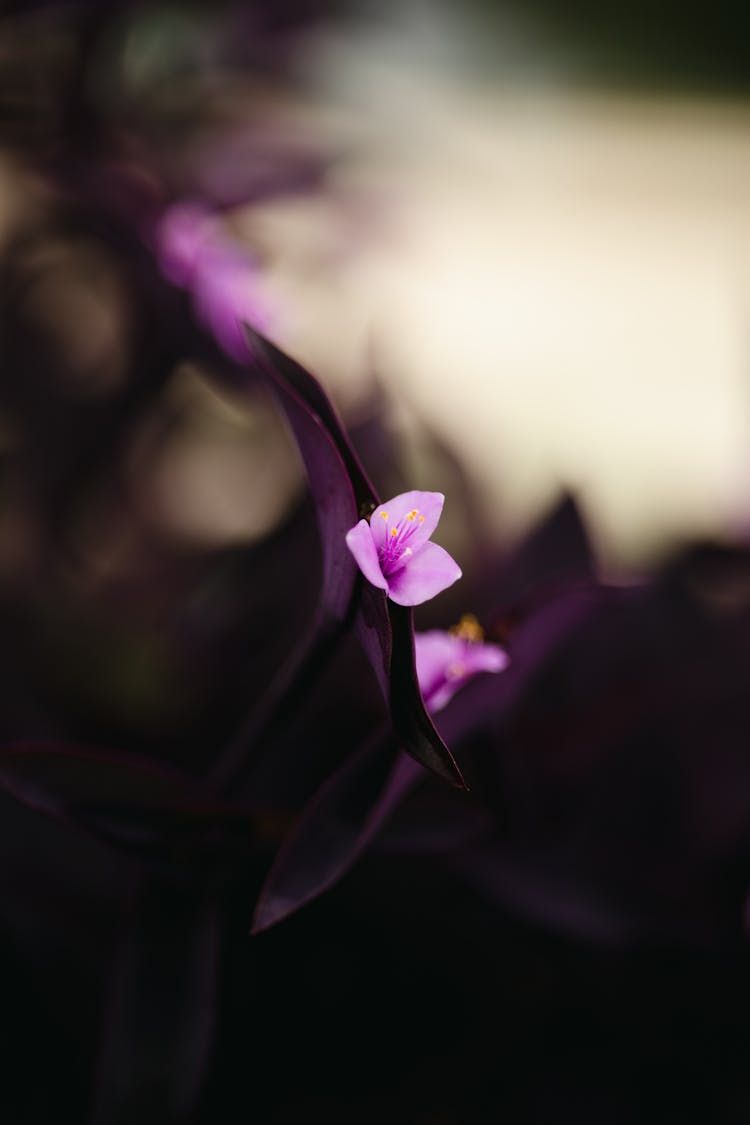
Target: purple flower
[
  {"x": 224, "y": 280},
  {"x": 445, "y": 661},
  {"x": 394, "y": 551}
]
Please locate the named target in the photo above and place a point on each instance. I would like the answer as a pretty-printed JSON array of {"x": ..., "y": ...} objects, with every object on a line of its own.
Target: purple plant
[
  {"x": 360, "y": 797},
  {"x": 192, "y": 735}
]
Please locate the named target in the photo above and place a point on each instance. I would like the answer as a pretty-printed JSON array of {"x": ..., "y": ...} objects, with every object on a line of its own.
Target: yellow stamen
[
  {"x": 468, "y": 629},
  {"x": 421, "y": 519},
  {"x": 384, "y": 515},
  {"x": 394, "y": 531},
  {"x": 413, "y": 514}
]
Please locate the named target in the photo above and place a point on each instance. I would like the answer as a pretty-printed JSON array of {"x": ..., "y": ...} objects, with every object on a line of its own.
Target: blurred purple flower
[
  {"x": 446, "y": 661},
  {"x": 223, "y": 279},
  {"x": 394, "y": 551}
]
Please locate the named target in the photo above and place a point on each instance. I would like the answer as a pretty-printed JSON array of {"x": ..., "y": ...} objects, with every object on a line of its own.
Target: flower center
[
  {"x": 395, "y": 552},
  {"x": 468, "y": 629}
]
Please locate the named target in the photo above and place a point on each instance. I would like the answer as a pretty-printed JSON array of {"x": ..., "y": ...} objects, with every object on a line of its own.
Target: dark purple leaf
[
  {"x": 162, "y": 1010},
  {"x": 554, "y": 555},
  {"x": 336, "y": 828},
  {"x": 129, "y": 802}
]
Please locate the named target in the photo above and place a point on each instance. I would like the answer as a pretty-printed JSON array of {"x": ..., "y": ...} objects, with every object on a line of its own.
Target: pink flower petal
[
  {"x": 183, "y": 233},
  {"x": 395, "y": 513},
  {"x": 442, "y": 695},
  {"x": 481, "y": 657},
  {"x": 227, "y": 297},
  {"x": 434, "y": 652},
  {"x": 360, "y": 542},
  {"x": 427, "y": 573},
  {"x": 445, "y": 662}
]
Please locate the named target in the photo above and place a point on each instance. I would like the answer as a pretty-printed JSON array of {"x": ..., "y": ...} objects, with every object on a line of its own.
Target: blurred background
[
  {"x": 527, "y": 223},
  {"x": 512, "y": 241},
  {"x": 553, "y": 268}
]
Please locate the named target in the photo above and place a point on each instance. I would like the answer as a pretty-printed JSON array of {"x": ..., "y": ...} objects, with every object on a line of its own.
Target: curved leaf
[
  {"x": 336, "y": 828},
  {"x": 342, "y": 493},
  {"x": 129, "y": 802},
  {"x": 162, "y": 1010}
]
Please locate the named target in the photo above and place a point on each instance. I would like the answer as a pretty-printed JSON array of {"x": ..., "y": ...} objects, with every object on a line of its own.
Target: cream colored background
[{"x": 559, "y": 281}]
